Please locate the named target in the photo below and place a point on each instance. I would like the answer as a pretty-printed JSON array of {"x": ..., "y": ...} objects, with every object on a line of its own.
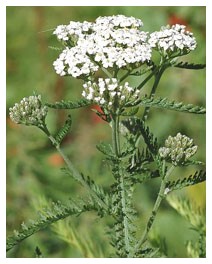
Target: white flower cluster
[
  {"x": 108, "y": 93},
  {"x": 74, "y": 62},
  {"x": 108, "y": 42},
  {"x": 172, "y": 39},
  {"x": 74, "y": 29},
  {"x": 29, "y": 111},
  {"x": 178, "y": 149}
]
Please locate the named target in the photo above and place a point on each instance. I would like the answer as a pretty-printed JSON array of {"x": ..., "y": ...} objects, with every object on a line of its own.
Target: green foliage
[
  {"x": 130, "y": 112},
  {"x": 138, "y": 127},
  {"x": 69, "y": 104},
  {"x": 139, "y": 158},
  {"x": 197, "y": 177},
  {"x": 64, "y": 130},
  {"x": 196, "y": 217},
  {"x": 185, "y": 207},
  {"x": 159, "y": 242},
  {"x": 87, "y": 247},
  {"x": 197, "y": 249},
  {"x": 138, "y": 166},
  {"x": 106, "y": 149},
  {"x": 48, "y": 216},
  {"x": 164, "y": 103},
  {"x": 123, "y": 229},
  {"x": 38, "y": 253},
  {"x": 97, "y": 193},
  {"x": 189, "y": 66}
]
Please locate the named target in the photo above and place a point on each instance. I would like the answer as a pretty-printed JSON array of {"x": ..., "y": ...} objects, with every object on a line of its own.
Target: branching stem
[{"x": 152, "y": 93}]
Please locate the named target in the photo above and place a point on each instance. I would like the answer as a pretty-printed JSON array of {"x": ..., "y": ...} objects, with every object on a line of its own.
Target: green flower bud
[
  {"x": 178, "y": 149},
  {"x": 29, "y": 111}
]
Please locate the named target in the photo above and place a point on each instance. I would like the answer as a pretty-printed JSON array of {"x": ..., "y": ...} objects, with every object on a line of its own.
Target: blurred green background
[{"x": 33, "y": 167}]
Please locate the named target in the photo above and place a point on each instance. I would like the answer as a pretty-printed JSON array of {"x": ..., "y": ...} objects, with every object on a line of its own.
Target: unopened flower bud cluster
[
  {"x": 173, "y": 39},
  {"x": 29, "y": 111},
  {"x": 178, "y": 149},
  {"x": 108, "y": 93},
  {"x": 113, "y": 41}
]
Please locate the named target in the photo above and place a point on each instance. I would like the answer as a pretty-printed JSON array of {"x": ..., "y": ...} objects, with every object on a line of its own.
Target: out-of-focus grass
[{"x": 33, "y": 166}]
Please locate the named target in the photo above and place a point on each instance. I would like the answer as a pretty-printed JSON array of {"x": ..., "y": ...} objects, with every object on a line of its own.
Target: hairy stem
[
  {"x": 125, "y": 220},
  {"x": 116, "y": 147},
  {"x": 115, "y": 135},
  {"x": 160, "y": 197}
]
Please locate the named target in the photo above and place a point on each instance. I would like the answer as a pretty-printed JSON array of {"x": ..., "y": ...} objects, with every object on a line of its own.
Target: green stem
[
  {"x": 76, "y": 175},
  {"x": 125, "y": 76},
  {"x": 146, "y": 80},
  {"x": 116, "y": 148},
  {"x": 161, "y": 195},
  {"x": 125, "y": 219},
  {"x": 106, "y": 72},
  {"x": 115, "y": 135},
  {"x": 152, "y": 93}
]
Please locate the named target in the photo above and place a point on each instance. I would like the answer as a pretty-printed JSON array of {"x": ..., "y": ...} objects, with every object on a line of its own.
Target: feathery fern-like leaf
[
  {"x": 138, "y": 159},
  {"x": 190, "y": 66},
  {"x": 106, "y": 149},
  {"x": 48, "y": 216},
  {"x": 55, "y": 48},
  {"x": 123, "y": 238},
  {"x": 69, "y": 104},
  {"x": 97, "y": 193},
  {"x": 197, "y": 177},
  {"x": 189, "y": 210},
  {"x": 164, "y": 103},
  {"x": 135, "y": 125},
  {"x": 87, "y": 247},
  {"x": 64, "y": 130}
]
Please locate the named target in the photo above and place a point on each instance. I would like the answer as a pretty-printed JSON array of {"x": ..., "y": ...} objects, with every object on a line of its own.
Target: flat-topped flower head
[
  {"x": 113, "y": 41},
  {"x": 29, "y": 111},
  {"x": 174, "y": 39},
  {"x": 66, "y": 32},
  {"x": 178, "y": 149},
  {"x": 72, "y": 31},
  {"x": 109, "y": 94},
  {"x": 120, "y": 21}
]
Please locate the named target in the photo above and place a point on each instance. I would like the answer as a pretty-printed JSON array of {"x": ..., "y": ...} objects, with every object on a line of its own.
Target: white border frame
[{"x": 3, "y": 5}]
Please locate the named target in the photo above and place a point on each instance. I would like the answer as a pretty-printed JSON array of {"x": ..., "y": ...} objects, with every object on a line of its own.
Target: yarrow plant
[{"x": 116, "y": 47}]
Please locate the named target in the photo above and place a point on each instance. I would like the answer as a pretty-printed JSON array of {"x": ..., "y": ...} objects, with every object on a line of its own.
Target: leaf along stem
[
  {"x": 160, "y": 197},
  {"x": 76, "y": 175}
]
